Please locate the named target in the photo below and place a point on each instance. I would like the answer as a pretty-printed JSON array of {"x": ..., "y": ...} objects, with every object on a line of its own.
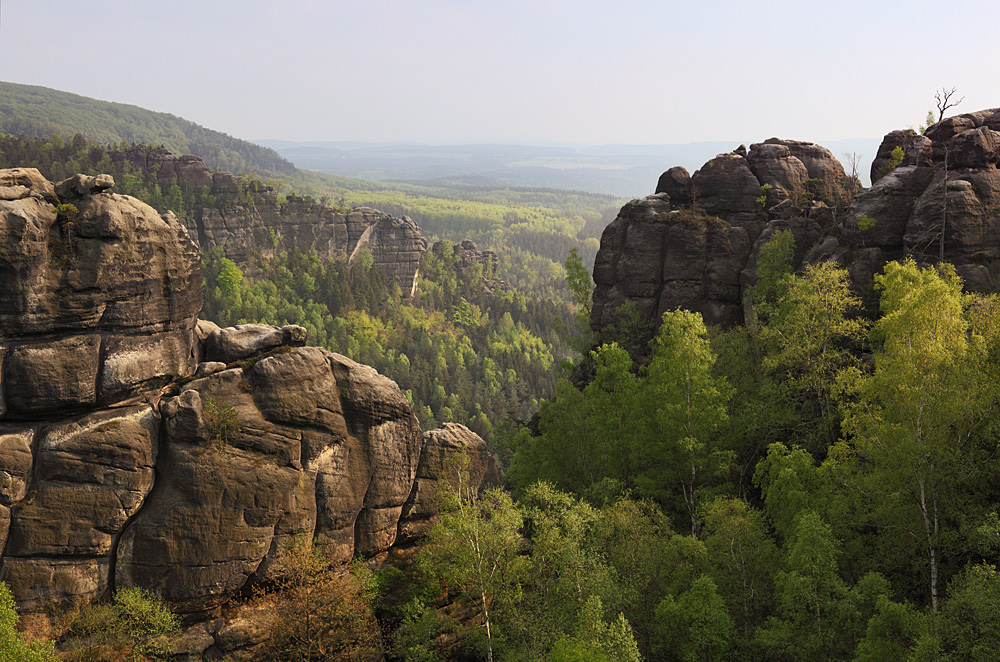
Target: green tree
[
  {"x": 696, "y": 626},
  {"x": 743, "y": 558},
  {"x": 811, "y": 333},
  {"x": 580, "y": 287},
  {"x": 689, "y": 405},
  {"x": 597, "y": 641},
  {"x": 475, "y": 546},
  {"x": 320, "y": 616},
  {"x": 913, "y": 418},
  {"x": 811, "y": 596},
  {"x": 970, "y": 617},
  {"x": 892, "y": 632}
]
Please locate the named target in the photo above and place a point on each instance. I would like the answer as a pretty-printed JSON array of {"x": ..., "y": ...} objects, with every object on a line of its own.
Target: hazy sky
[{"x": 514, "y": 70}]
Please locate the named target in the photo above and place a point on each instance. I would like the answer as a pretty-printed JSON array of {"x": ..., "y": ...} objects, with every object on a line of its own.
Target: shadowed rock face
[
  {"x": 124, "y": 461},
  {"x": 922, "y": 199},
  {"x": 941, "y": 194},
  {"x": 660, "y": 260},
  {"x": 695, "y": 242}
]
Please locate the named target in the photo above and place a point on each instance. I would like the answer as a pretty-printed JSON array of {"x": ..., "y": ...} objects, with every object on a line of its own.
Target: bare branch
[{"x": 944, "y": 102}]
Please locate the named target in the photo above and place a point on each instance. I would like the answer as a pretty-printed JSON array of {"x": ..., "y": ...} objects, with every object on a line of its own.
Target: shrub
[
  {"x": 223, "y": 420},
  {"x": 13, "y": 648},
  {"x": 137, "y": 625}
]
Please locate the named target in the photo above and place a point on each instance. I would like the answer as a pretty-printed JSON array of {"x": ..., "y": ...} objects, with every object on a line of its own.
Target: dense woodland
[{"x": 459, "y": 352}]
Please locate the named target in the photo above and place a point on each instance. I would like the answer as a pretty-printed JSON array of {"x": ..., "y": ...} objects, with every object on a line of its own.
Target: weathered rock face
[
  {"x": 694, "y": 243},
  {"x": 660, "y": 260},
  {"x": 248, "y": 218},
  {"x": 93, "y": 307},
  {"x": 396, "y": 245},
  {"x": 442, "y": 454},
  {"x": 265, "y": 226},
  {"x": 941, "y": 194},
  {"x": 911, "y": 207},
  {"x": 141, "y": 446}
]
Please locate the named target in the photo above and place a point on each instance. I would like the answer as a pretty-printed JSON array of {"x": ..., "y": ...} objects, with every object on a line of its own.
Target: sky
[{"x": 528, "y": 71}]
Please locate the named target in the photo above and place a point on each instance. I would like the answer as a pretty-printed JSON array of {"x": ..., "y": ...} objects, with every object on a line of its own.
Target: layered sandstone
[{"x": 142, "y": 446}]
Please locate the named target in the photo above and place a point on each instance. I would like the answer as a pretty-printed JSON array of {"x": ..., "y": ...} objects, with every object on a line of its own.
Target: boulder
[
  {"x": 447, "y": 449},
  {"x": 239, "y": 342},
  {"x": 773, "y": 164},
  {"x": 676, "y": 183},
  {"x": 30, "y": 179}
]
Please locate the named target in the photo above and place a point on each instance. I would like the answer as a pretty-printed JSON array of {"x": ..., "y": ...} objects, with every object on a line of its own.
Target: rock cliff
[
  {"x": 141, "y": 446},
  {"x": 693, "y": 244},
  {"x": 245, "y": 216},
  {"x": 939, "y": 199},
  {"x": 942, "y": 198}
]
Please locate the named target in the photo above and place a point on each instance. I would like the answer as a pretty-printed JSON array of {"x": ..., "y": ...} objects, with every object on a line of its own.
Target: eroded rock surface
[
  {"x": 121, "y": 465},
  {"x": 944, "y": 196},
  {"x": 659, "y": 260}
]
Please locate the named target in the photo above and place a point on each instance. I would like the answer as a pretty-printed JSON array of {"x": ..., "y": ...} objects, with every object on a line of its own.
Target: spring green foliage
[
  {"x": 459, "y": 354},
  {"x": 696, "y": 626},
  {"x": 13, "y": 648},
  {"x": 137, "y": 623},
  {"x": 843, "y": 500}
]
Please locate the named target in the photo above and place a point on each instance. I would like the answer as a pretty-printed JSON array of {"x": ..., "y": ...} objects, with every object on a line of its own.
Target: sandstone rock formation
[
  {"x": 443, "y": 451},
  {"x": 923, "y": 206},
  {"x": 141, "y": 446},
  {"x": 694, "y": 243},
  {"x": 246, "y": 217},
  {"x": 939, "y": 199},
  {"x": 468, "y": 257}
]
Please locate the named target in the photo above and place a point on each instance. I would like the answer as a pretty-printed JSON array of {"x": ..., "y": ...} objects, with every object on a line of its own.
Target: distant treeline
[{"x": 38, "y": 112}]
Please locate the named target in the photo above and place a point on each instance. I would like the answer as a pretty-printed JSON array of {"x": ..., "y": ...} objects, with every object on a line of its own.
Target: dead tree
[{"x": 944, "y": 102}]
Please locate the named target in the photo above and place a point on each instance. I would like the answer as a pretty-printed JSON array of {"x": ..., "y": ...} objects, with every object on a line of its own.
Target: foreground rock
[{"x": 142, "y": 446}]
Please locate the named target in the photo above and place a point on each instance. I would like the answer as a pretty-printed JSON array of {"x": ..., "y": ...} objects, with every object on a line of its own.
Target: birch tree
[{"x": 913, "y": 417}]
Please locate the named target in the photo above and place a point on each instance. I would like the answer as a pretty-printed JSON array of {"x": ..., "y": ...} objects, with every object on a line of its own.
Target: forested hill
[{"x": 39, "y": 112}]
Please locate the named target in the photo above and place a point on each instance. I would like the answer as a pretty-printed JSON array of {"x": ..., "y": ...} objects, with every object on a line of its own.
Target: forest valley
[{"x": 812, "y": 485}]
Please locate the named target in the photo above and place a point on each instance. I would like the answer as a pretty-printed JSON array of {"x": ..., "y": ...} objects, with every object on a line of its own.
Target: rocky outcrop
[
  {"x": 660, "y": 260},
  {"x": 943, "y": 195},
  {"x": 141, "y": 446},
  {"x": 933, "y": 195},
  {"x": 467, "y": 257},
  {"x": 395, "y": 244},
  {"x": 452, "y": 452},
  {"x": 694, "y": 243},
  {"x": 96, "y": 304},
  {"x": 247, "y": 216}
]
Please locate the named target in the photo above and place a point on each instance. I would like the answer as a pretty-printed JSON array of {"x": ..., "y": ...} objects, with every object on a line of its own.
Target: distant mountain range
[
  {"x": 623, "y": 170},
  {"x": 38, "y": 112}
]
